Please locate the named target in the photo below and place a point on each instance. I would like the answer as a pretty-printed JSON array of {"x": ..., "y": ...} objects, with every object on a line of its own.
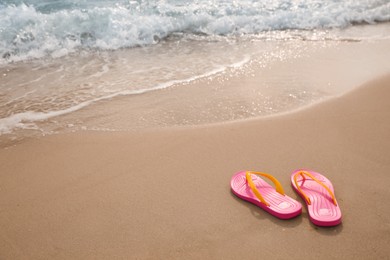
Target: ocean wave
[{"x": 36, "y": 29}]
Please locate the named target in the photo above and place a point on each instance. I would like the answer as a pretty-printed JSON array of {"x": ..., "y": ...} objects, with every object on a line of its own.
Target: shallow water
[{"x": 107, "y": 92}]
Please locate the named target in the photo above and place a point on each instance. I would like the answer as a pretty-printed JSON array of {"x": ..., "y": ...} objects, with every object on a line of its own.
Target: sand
[{"x": 165, "y": 193}]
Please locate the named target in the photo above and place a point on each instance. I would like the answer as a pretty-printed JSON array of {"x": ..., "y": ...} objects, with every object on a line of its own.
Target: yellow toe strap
[
  {"x": 302, "y": 173},
  {"x": 252, "y": 185}
]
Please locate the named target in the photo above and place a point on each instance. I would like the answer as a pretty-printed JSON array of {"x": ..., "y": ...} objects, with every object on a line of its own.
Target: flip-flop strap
[
  {"x": 302, "y": 173},
  {"x": 252, "y": 185}
]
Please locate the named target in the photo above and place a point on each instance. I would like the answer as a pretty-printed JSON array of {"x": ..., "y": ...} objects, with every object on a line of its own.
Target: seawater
[
  {"x": 59, "y": 57},
  {"x": 36, "y": 28}
]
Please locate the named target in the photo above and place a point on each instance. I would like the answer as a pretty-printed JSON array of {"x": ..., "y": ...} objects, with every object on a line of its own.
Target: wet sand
[
  {"x": 261, "y": 79},
  {"x": 165, "y": 193}
]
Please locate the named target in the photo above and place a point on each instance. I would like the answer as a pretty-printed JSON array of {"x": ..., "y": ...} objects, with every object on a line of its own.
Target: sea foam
[{"x": 36, "y": 29}]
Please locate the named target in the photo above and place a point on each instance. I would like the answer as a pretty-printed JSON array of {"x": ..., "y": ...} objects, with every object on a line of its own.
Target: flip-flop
[
  {"x": 248, "y": 186},
  {"x": 318, "y": 193}
]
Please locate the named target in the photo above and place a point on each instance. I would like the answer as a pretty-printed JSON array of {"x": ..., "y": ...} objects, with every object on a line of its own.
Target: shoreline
[
  {"x": 165, "y": 193},
  {"x": 304, "y": 75}
]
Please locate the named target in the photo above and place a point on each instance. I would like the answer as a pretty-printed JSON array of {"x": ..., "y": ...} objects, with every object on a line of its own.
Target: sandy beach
[
  {"x": 123, "y": 122},
  {"x": 165, "y": 193}
]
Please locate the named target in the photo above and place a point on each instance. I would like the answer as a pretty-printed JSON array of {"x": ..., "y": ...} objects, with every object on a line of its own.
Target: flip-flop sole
[
  {"x": 322, "y": 211},
  {"x": 281, "y": 206}
]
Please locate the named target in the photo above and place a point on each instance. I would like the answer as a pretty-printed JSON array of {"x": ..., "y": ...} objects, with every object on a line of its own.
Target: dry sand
[{"x": 165, "y": 194}]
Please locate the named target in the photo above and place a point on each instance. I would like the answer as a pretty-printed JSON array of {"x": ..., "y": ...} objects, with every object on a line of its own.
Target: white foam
[{"x": 52, "y": 29}]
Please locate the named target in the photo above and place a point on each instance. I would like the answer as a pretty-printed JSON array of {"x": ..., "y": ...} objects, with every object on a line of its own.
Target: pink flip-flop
[
  {"x": 248, "y": 186},
  {"x": 318, "y": 193}
]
